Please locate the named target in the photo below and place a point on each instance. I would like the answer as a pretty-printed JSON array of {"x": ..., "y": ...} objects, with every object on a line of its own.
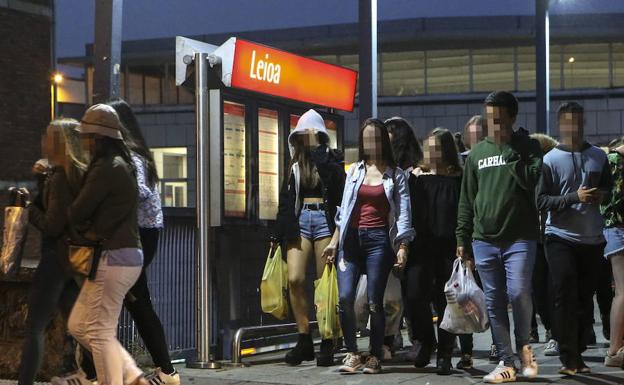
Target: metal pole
[
  {"x": 204, "y": 289},
  {"x": 542, "y": 70},
  {"x": 368, "y": 59},
  {"x": 107, "y": 49}
]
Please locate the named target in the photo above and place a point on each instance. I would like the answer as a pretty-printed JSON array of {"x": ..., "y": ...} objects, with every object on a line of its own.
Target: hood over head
[{"x": 310, "y": 120}]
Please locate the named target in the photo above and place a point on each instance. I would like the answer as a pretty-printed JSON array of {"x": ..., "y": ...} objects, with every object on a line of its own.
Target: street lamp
[{"x": 57, "y": 78}]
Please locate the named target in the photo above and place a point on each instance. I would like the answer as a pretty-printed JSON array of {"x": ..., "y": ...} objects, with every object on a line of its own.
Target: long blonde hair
[{"x": 77, "y": 159}]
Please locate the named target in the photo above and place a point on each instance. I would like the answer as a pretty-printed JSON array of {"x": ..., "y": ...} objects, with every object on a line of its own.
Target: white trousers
[{"x": 94, "y": 319}]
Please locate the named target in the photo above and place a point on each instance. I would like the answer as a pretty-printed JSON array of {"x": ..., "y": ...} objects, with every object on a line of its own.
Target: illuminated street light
[
  {"x": 571, "y": 60},
  {"x": 58, "y": 78}
]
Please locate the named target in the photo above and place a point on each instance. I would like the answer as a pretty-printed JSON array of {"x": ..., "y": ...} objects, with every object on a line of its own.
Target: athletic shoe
[
  {"x": 583, "y": 368},
  {"x": 533, "y": 336},
  {"x": 567, "y": 371},
  {"x": 615, "y": 360},
  {"x": 423, "y": 355},
  {"x": 551, "y": 348},
  {"x": 465, "y": 362},
  {"x": 351, "y": 363},
  {"x": 76, "y": 378},
  {"x": 157, "y": 377},
  {"x": 386, "y": 353},
  {"x": 500, "y": 374},
  {"x": 529, "y": 365},
  {"x": 372, "y": 365},
  {"x": 493, "y": 354}
]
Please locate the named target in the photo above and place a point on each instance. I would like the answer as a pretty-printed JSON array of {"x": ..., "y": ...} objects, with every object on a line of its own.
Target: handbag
[{"x": 84, "y": 258}]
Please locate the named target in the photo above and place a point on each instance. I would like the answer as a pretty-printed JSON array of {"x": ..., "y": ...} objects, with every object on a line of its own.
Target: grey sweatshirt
[{"x": 564, "y": 172}]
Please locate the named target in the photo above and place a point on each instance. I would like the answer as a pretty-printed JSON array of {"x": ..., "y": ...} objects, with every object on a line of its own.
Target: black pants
[
  {"x": 140, "y": 306},
  {"x": 52, "y": 290},
  {"x": 542, "y": 303},
  {"x": 573, "y": 271},
  {"x": 604, "y": 290},
  {"x": 429, "y": 267}
]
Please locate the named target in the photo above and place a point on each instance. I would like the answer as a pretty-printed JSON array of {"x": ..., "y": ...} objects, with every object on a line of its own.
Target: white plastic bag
[
  {"x": 361, "y": 304},
  {"x": 393, "y": 304},
  {"x": 466, "y": 311}
]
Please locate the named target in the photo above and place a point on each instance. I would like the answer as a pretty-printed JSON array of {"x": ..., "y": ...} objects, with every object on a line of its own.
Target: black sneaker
[
  {"x": 303, "y": 351},
  {"x": 423, "y": 355},
  {"x": 444, "y": 366},
  {"x": 493, "y": 354},
  {"x": 325, "y": 356},
  {"x": 465, "y": 362},
  {"x": 533, "y": 336}
]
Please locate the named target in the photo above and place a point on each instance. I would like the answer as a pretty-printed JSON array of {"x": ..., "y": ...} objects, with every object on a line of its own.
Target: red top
[{"x": 372, "y": 207}]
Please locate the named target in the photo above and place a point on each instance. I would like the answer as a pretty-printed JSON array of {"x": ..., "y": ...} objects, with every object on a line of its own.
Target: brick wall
[{"x": 24, "y": 90}]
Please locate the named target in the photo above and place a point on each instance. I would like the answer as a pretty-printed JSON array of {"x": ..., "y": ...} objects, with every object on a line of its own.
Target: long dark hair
[
  {"x": 134, "y": 137},
  {"x": 105, "y": 146},
  {"x": 386, "y": 148},
  {"x": 450, "y": 158},
  {"x": 406, "y": 149}
]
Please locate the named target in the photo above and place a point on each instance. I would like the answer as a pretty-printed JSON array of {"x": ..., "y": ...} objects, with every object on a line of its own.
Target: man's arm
[{"x": 465, "y": 213}]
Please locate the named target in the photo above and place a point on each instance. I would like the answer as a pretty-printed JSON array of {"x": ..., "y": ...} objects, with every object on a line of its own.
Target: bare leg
[
  {"x": 297, "y": 259},
  {"x": 319, "y": 246},
  {"x": 617, "y": 308}
]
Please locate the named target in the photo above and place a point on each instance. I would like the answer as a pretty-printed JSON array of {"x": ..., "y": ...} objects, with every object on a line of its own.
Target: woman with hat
[{"x": 105, "y": 211}]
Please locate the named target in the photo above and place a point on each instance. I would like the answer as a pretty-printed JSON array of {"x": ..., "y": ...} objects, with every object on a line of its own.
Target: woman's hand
[
  {"x": 401, "y": 258},
  {"x": 329, "y": 253}
]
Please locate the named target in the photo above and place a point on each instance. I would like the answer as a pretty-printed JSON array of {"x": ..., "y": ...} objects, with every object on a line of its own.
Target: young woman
[
  {"x": 150, "y": 218},
  {"x": 435, "y": 198},
  {"x": 373, "y": 230},
  {"x": 613, "y": 213},
  {"x": 53, "y": 287},
  {"x": 305, "y": 222},
  {"x": 105, "y": 211}
]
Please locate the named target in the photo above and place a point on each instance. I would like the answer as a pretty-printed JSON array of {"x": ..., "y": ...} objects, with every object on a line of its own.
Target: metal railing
[{"x": 240, "y": 333}]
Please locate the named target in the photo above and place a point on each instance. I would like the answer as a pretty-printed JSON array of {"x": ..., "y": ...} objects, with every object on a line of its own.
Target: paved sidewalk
[{"x": 270, "y": 369}]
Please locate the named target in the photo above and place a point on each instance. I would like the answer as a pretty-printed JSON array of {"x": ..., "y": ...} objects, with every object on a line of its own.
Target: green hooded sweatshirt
[{"x": 497, "y": 201}]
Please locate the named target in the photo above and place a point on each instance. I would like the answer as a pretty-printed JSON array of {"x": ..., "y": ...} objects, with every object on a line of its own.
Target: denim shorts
[
  {"x": 615, "y": 241},
  {"x": 313, "y": 224}
]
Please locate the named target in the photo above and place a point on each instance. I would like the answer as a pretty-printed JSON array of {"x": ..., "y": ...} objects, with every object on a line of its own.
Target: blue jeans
[
  {"x": 365, "y": 251},
  {"x": 506, "y": 272}
]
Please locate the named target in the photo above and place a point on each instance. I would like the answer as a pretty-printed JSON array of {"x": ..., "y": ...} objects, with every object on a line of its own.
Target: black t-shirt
[{"x": 434, "y": 199}]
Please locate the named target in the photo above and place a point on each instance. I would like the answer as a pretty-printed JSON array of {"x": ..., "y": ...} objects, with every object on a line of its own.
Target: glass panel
[
  {"x": 555, "y": 67},
  {"x": 234, "y": 171},
  {"x": 268, "y": 163},
  {"x": 618, "y": 64},
  {"x": 403, "y": 73},
  {"x": 526, "y": 68},
  {"x": 586, "y": 65},
  {"x": 331, "y": 59},
  {"x": 493, "y": 69},
  {"x": 447, "y": 71},
  {"x": 171, "y": 164},
  {"x": 152, "y": 90},
  {"x": 135, "y": 88}
]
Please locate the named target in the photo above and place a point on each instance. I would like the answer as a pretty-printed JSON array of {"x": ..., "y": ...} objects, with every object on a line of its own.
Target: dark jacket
[
  {"x": 332, "y": 175},
  {"x": 106, "y": 207},
  {"x": 48, "y": 214}
]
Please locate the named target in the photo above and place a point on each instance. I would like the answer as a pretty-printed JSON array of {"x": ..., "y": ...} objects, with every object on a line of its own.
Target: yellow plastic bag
[
  {"x": 326, "y": 303},
  {"x": 274, "y": 286}
]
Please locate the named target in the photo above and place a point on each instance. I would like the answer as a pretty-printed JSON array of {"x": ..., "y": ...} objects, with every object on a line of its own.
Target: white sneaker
[
  {"x": 500, "y": 374},
  {"x": 551, "y": 348},
  {"x": 351, "y": 363},
  {"x": 529, "y": 365},
  {"x": 157, "y": 377},
  {"x": 616, "y": 359},
  {"x": 76, "y": 378}
]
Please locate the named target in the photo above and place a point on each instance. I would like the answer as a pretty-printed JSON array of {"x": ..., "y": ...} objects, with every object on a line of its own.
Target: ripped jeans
[{"x": 365, "y": 251}]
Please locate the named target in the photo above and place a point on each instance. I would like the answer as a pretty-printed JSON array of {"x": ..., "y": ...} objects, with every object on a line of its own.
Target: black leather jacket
[{"x": 330, "y": 167}]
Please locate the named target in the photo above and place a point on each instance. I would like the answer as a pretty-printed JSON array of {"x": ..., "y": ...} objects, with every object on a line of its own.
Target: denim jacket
[{"x": 399, "y": 217}]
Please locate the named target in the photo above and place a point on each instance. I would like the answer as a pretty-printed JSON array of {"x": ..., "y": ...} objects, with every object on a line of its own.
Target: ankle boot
[
  {"x": 325, "y": 356},
  {"x": 303, "y": 351}
]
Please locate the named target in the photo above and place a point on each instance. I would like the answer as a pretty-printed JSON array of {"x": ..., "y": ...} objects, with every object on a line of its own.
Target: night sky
[{"x": 166, "y": 18}]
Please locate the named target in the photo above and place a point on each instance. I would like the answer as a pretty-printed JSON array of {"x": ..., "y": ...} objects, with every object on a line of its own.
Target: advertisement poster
[
  {"x": 234, "y": 172},
  {"x": 268, "y": 161}
]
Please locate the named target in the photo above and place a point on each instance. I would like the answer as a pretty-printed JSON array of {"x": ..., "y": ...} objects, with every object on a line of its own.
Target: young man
[
  {"x": 497, "y": 219},
  {"x": 576, "y": 178}
]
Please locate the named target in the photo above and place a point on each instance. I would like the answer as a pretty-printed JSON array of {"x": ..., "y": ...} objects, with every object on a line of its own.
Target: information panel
[
  {"x": 234, "y": 172},
  {"x": 268, "y": 162}
]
